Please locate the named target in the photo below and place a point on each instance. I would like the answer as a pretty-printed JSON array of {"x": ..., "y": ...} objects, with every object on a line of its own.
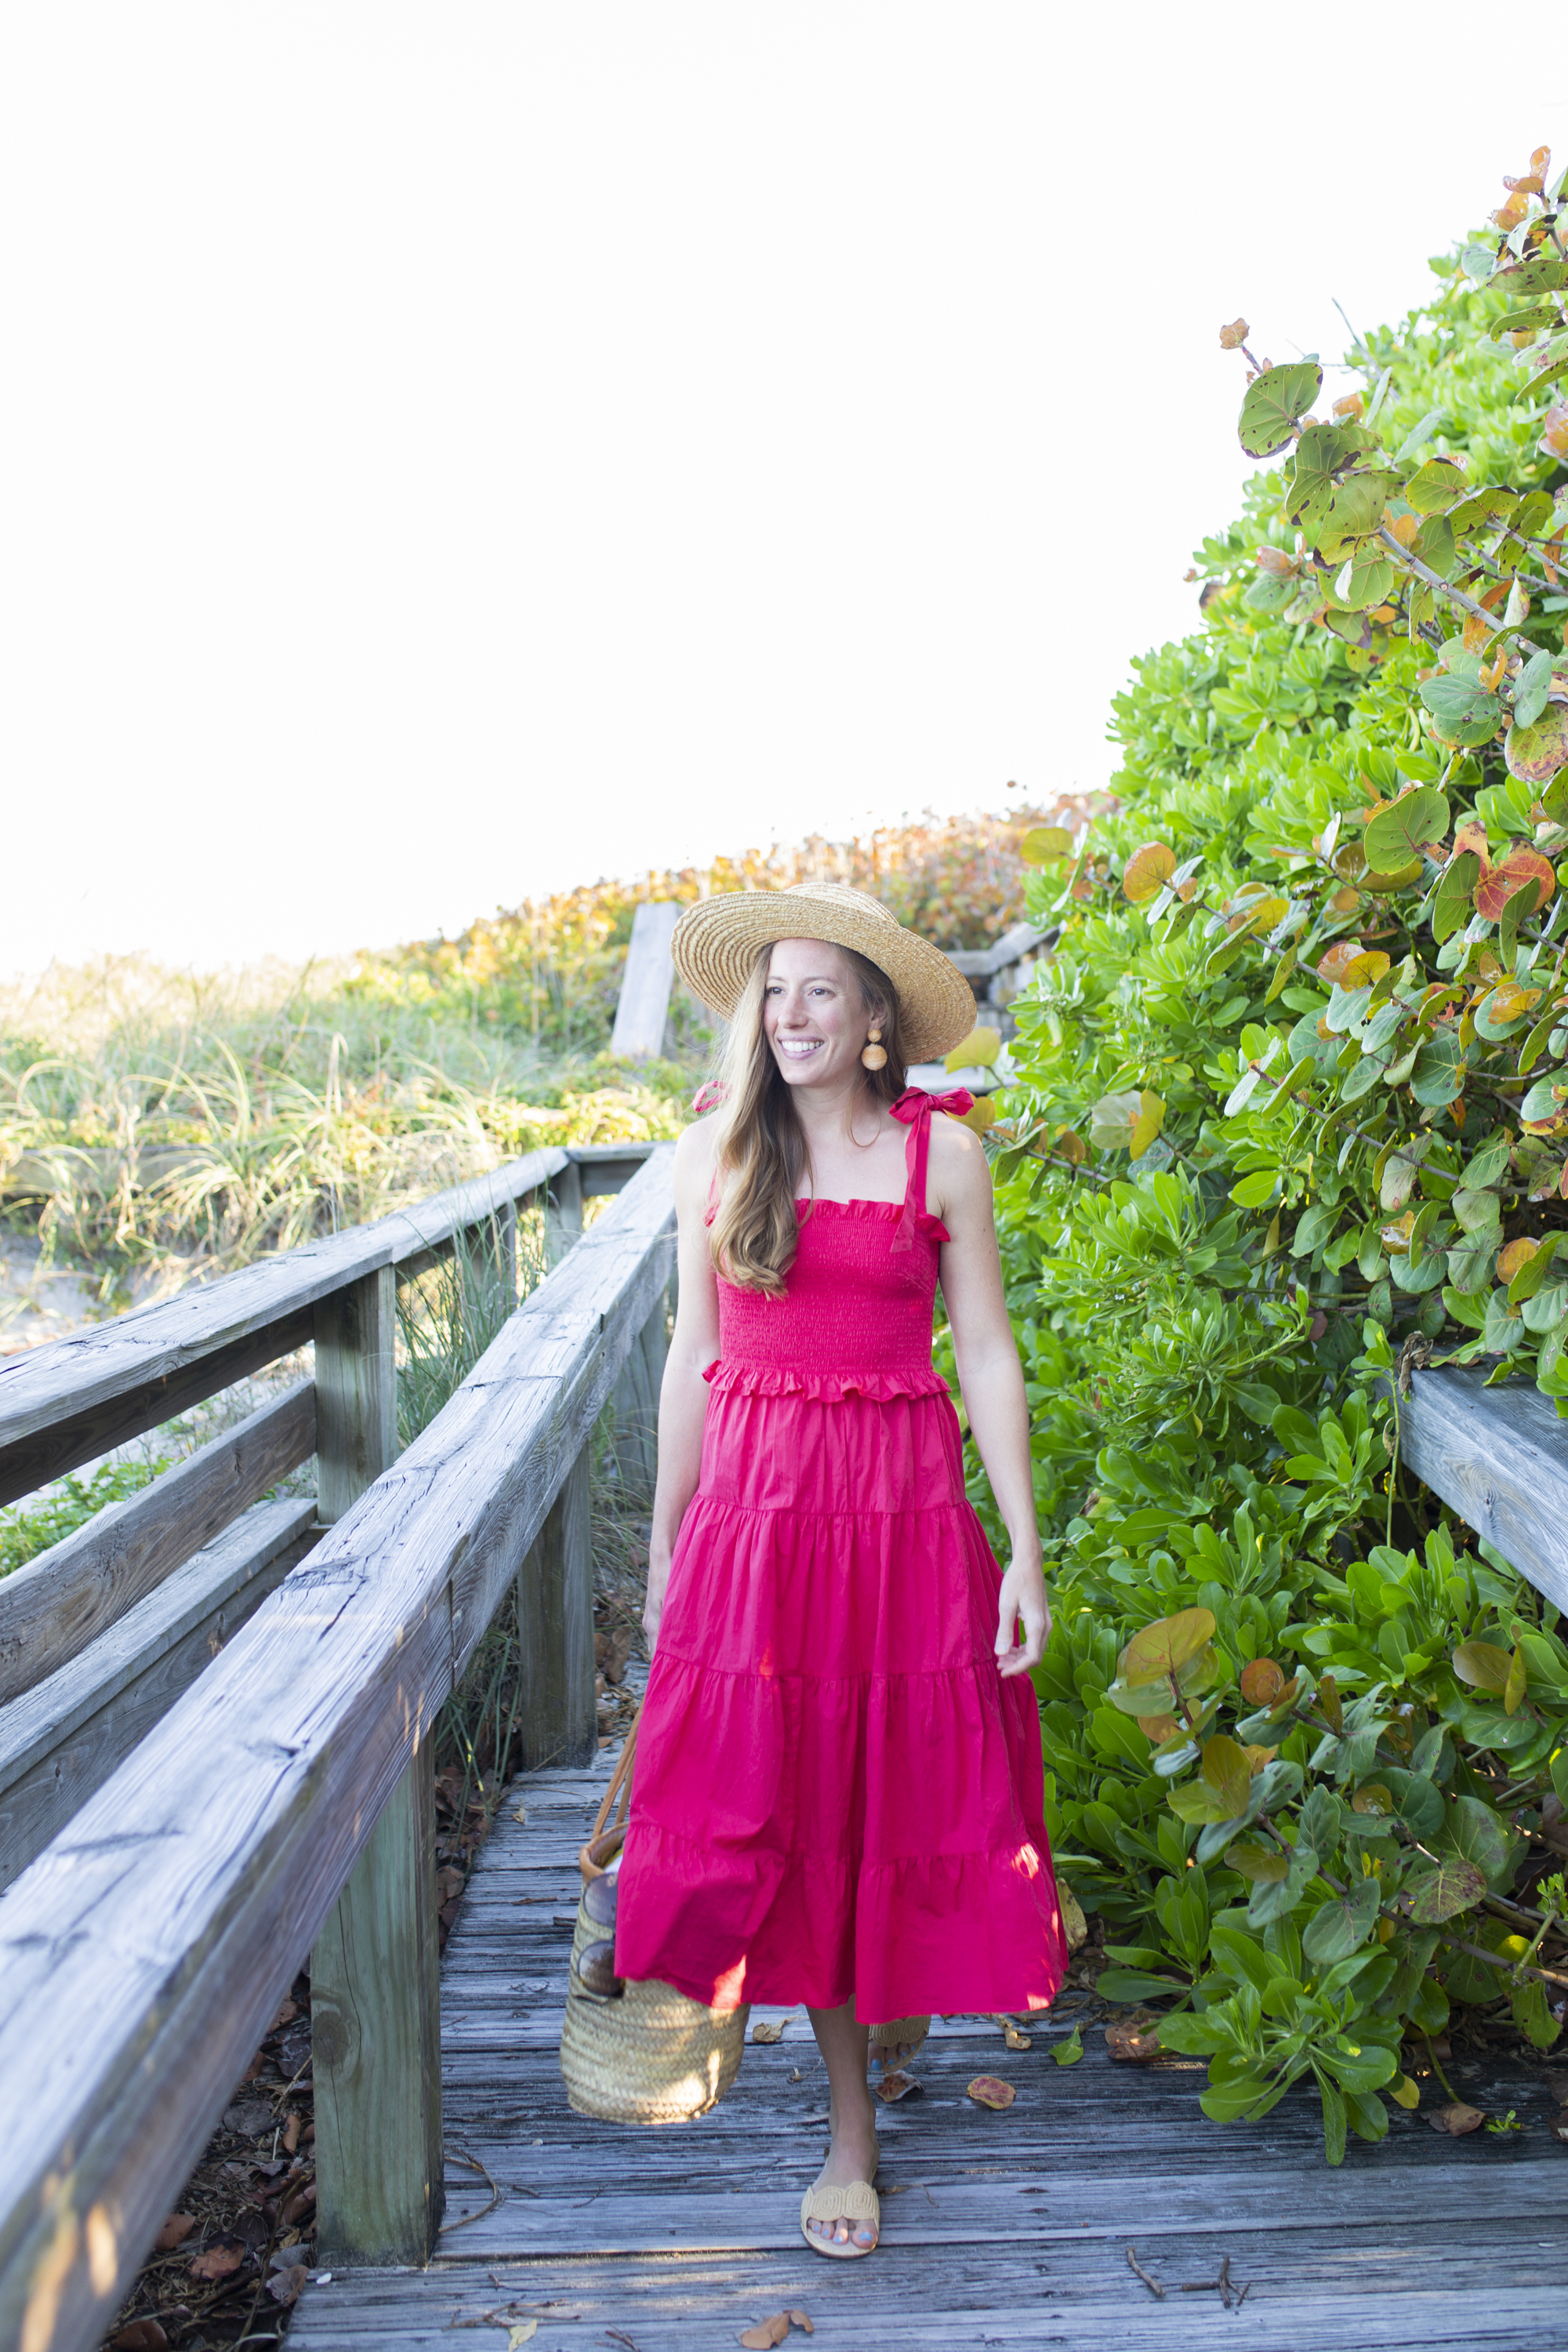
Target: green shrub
[{"x": 1288, "y": 1105}]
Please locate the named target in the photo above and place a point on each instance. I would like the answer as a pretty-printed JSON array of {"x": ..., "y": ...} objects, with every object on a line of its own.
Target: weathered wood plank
[
  {"x": 62, "y": 1739},
  {"x": 1500, "y": 1458},
  {"x": 1087, "y": 2304},
  {"x": 145, "y": 1950},
  {"x": 62, "y": 1404},
  {"x": 376, "y": 2041},
  {"x": 356, "y": 1389},
  {"x": 77, "y": 1436},
  {"x": 53, "y": 1606},
  {"x": 643, "y": 1006},
  {"x": 555, "y": 1626}
]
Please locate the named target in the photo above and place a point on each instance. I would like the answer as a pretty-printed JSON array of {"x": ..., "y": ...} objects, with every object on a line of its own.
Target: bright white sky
[{"x": 457, "y": 450}]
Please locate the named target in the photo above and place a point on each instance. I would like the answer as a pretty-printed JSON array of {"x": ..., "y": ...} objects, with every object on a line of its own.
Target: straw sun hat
[{"x": 716, "y": 942}]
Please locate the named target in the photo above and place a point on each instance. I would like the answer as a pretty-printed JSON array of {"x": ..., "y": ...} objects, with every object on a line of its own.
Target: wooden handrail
[
  {"x": 1498, "y": 1458},
  {"x": 76, "y": 1398},
  {"x": 146, "y": 1949}
]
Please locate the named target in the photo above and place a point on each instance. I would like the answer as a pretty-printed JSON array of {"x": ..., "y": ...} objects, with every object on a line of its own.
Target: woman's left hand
[{"x": 1023, "y": 1595}]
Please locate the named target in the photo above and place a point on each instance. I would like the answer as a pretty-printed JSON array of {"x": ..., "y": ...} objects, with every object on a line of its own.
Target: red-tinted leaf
[
  {"x": 1494, "y": 890},
  {"x": 987, "y": 2090}
]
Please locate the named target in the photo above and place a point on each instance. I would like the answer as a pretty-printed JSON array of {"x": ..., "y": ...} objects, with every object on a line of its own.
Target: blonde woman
[{"x": 839, "y": 1785}]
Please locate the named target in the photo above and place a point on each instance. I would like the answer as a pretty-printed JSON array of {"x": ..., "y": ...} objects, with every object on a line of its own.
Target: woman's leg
[{"x": 852, "y": 2115}]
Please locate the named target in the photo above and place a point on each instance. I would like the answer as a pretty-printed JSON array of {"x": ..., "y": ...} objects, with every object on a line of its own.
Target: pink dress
[{"x": 837, "y": 1794}]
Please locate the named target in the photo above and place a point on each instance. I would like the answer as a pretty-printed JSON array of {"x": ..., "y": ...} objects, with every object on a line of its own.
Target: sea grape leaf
[
  {"x": 1354, "y": 512},
  {"x": 1160, "y": 1648},
  {"x": 1451, "y": 900},
  {"x": 1452, "y": 1886},
  {"x": 1341, "y": 1925},
  {"x": 1535, "y": 752},
  {"x": 1437, "y": 1078},
  {"x": 1462, "y": 714},
  {"x": 1473, "y": 1831},
  {"x": 1147, "y": 870},
  {"x": 1481, "y": 1664},
  {"x": 1274, "y": 404},
  {"x": 1227, "y": 1772},
  {"x": 1045, "y": 844},
  {"x": 1363, "y": 581},
  {"x": 1494, "y": 890},
  {"x": 1397, "y": 834},
  {"x": 1435, "y": 487}
]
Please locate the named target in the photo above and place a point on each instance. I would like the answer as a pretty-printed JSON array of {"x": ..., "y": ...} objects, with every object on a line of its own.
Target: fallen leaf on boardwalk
[
  {"x": 898, "y": 2085},
  {"x": 521, "y": 1815},
  {"x": 174, "y": 2232},
  {"x": 766, "y": 2332},
  {"x": 285, "y": 2286},
  {"x": 1558, "y": 2086},
  {"x": 1014, "y": 2039},
  {"x": 800, "y": 2319},
  {"x": 520, "y": 2335},
  {"x": 220, "y": 2260},
  {"x": 1132, "y": 2041},
  {"x": 1068, "y": 2052},
  {"x": 1557, "y": 2130},
  {"x": 986, "y": 2091},
  {"x": 142, "y": 2335},
  {"x": 1456, "y": 2119},
  {"x": 766, "y": 2032}
]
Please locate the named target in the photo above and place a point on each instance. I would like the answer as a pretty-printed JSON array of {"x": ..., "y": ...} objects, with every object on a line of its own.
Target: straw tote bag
[{"x": 635, "y": 2054}]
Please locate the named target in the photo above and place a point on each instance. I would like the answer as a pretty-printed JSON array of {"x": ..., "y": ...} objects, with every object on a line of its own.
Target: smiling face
[{"x": 814, "y": 1017}]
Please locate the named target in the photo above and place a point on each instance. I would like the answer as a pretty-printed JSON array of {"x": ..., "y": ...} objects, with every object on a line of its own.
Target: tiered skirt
[{"x": 836, "y": 1793}]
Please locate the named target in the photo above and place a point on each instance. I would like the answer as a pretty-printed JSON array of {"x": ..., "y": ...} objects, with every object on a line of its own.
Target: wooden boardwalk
[{"x": 998, "y": 2230}]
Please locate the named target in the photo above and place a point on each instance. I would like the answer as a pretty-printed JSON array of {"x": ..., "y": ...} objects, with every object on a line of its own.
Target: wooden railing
[
  {"x": 282, "y": 1804},
  {"x": 1500, "y": 1458}
]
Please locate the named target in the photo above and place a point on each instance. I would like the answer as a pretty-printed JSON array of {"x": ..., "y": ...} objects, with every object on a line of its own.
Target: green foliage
[
  {"x": 32, "y": 1528},
  {"x": 1291, "y": 1098}
]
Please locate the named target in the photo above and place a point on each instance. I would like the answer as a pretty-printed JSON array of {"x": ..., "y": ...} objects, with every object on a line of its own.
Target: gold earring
[{"x": 874, "y": 1057}]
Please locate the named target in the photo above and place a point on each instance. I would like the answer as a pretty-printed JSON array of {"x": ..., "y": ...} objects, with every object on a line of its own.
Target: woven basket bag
[{"x": 635, "y": 2054}]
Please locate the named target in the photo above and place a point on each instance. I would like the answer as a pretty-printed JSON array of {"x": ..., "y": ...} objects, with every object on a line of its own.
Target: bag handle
[{"x": 619, "y": 1783}]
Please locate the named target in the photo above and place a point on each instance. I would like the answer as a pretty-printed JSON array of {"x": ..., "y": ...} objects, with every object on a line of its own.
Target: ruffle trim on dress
[
  {"x": 877, "y": 1212},
  {"x": 732, "y": 1379}
]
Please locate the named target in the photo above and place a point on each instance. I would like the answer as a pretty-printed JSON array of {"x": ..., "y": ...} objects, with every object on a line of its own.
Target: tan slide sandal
[
  {"x": 909, "y": 2031},
  {"x": 857, "y": 2202}
]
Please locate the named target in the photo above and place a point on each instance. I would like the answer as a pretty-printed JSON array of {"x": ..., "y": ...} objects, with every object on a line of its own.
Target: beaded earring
[{"x": 874, "y": 1056}]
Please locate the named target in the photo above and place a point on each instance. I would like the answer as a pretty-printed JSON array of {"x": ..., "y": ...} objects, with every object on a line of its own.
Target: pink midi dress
[{"x": 837, "y": 1794}]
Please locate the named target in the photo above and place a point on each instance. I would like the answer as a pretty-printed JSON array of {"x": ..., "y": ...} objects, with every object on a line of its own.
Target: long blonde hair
[{"x": 760, "y": 1154}]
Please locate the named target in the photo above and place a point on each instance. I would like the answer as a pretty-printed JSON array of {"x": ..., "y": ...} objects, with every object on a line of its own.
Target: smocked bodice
[{"x": 856, "y": 1315}]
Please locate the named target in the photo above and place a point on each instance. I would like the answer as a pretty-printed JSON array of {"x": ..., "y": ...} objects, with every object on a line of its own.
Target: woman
[{"x": 839, "y": 1785}]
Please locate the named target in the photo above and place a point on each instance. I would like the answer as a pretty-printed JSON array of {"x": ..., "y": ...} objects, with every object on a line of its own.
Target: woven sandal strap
[{"x": 857, "y": 2202}]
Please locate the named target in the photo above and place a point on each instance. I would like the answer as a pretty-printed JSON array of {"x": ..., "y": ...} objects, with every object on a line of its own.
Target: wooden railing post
[
  {"x": 375, "y": 1969},
  {"x": 356, "y": 1389},
  {"x": 376, "y": 2038},
  {"x": 563, "y": 1212},
  {"x": 556, "y": 1628},
  {"x": 636, "y": 1434}
]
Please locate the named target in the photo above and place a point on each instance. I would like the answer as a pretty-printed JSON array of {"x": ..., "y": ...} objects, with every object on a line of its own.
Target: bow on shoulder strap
[{"x": 913, "y": 1110}]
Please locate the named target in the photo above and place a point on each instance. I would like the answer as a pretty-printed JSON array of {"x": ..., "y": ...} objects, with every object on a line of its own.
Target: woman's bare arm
[
  {"x": 990, "y": 1378},
  {"x": 683, "y": 1396}
]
